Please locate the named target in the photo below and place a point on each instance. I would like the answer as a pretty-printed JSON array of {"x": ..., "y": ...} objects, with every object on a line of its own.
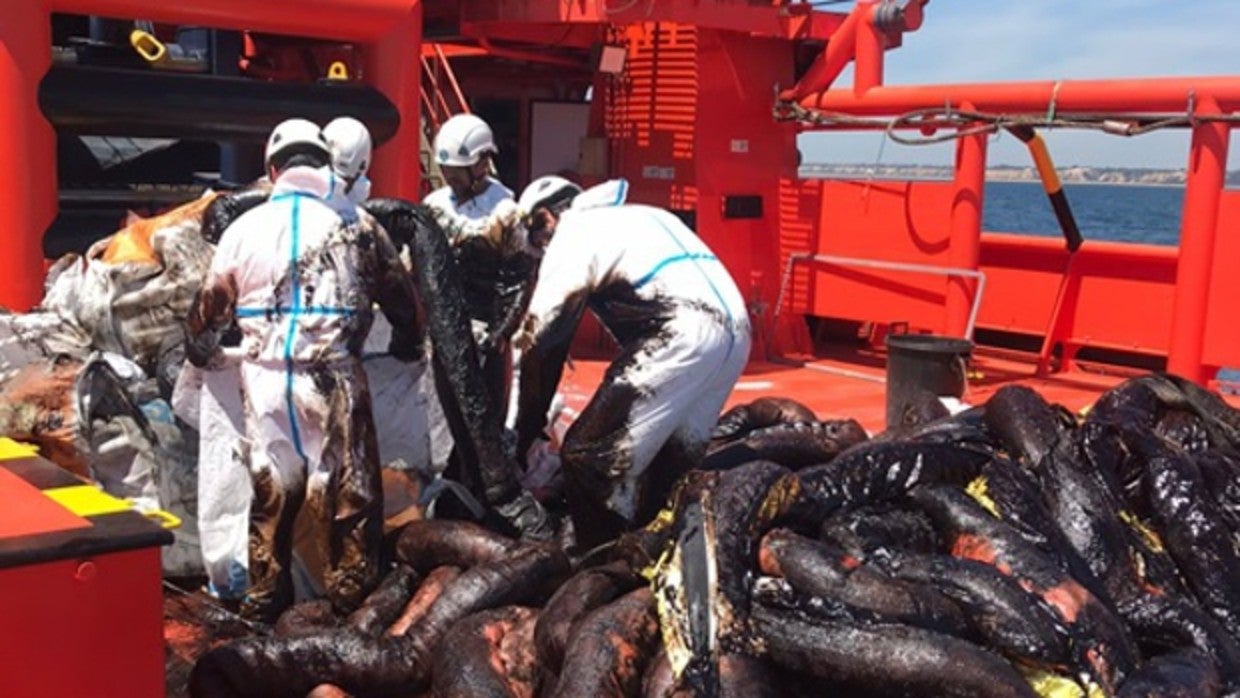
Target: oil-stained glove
[
  {"x": 528, "y": 517},
  {"x": 502, "y": 222},
  {"x": 506, "y": 213}
]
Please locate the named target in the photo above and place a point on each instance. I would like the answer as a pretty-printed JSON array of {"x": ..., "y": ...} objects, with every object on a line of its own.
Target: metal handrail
[
  {"x": 428, "y": 107},
  {"x": 452, "y": 81},
  {"x": 977, "y": 274},
  {"x": 436, "y": 102}
]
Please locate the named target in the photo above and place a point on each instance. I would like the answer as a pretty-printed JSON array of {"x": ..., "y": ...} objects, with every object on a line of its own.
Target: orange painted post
[
  {"x": 871, "y": 42},
  {"x": 1207, "y": 163},
  {"x": 966, "y": 229},
  {"x": 393, "y": 64},
  {"x": 1061, "y": 318},
  {"x": 830, "y": 63},
  {"x": 28, "y": 179}
]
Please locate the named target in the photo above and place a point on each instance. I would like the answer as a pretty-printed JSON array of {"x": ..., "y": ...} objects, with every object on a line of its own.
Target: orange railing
[{"x": 1131, "y": 297}]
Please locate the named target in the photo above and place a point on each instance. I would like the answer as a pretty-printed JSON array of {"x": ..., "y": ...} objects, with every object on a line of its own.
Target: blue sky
[{"x": 989, "y": 40}]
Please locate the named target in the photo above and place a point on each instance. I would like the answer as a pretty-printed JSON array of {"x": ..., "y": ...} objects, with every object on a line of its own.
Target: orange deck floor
[{"x": 851, "y": 383}]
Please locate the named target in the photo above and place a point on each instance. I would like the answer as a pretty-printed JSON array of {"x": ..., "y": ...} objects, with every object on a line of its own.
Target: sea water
[{"x": 1116, "y": 212}]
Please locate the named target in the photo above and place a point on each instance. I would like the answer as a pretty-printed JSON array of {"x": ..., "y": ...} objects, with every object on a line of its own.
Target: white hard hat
[
  {"x": 462, "y": 140},
  {"x": 551, "y": 191},
  {"x": 292, "y": 137},
  {"x": 349, "y": 140}
]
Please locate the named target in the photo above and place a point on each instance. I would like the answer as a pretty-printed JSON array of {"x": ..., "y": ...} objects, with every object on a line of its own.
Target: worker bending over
[{"x": 684, "y": 339}]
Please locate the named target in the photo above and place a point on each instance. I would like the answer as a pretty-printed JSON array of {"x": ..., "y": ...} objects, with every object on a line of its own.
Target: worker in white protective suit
[
  {"x": 224, "y": 492},
  {"x": 684, "y": 335},
  {"x": 496, "y": 267},
  {"x": 300, "y": 282},
  {"x": 466, "y": 207},
  {"x": 351, "y": 151}
]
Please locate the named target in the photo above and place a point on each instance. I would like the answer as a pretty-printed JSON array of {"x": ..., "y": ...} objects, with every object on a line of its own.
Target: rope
[
  {"x": 1050, "y": 106},
  {"x": 878, "y": 158}
]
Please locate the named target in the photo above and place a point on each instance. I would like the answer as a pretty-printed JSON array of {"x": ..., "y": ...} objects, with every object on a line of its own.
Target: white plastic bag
[{"x": 225, "y": 489}]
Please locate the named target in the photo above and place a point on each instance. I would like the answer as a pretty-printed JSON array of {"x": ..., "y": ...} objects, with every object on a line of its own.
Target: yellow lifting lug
[
  {"x": 337, "y": 71},
  {"x": 147, "y": 46}
]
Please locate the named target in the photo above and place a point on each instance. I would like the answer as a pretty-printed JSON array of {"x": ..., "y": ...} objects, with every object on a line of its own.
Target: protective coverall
[
  {"x": 300, "y": 283},
  {"x": 223, "y": 480},
  {"x": 684, "y": 335},
  {"x": 224, "y": 490},
  {"x": 497, "y": 272}
]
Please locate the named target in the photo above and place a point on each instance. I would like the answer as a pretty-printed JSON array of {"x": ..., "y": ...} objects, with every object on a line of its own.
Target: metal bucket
[{"x": 920, "y": 365}]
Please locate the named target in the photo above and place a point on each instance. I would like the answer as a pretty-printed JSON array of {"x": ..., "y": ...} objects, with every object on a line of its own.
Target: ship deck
[{"x": 850, "y": 383}]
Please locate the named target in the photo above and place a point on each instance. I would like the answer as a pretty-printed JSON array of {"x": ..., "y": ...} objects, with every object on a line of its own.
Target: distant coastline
[{"x": 1133, "y": 176}]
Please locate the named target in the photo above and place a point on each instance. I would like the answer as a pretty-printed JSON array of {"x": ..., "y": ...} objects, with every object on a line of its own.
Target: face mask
[{"x": 360, "y": 191}]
